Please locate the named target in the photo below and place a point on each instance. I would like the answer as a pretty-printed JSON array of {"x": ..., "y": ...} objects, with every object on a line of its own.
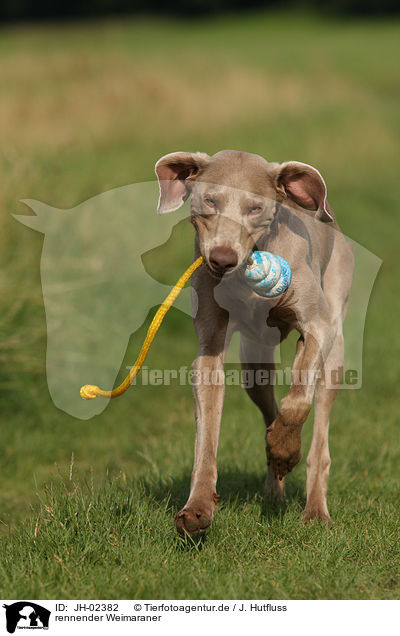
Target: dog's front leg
[
  {"x": 284, "y": 434},
  {"x": 211, "y": 325},
  {"x": 208, "y": 392}
]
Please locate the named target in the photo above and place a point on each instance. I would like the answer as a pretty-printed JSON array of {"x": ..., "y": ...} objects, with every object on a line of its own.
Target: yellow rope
[{"x": 90, "y": 391}]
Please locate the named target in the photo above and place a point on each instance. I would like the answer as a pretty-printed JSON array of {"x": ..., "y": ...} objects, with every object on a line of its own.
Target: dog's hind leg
[
  {"x": 337, "y": 289},
  {"x": 258, "y": 380}
]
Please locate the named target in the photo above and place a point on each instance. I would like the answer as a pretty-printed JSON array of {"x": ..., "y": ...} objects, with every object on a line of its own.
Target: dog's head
[{"x": 234, "y": 198}]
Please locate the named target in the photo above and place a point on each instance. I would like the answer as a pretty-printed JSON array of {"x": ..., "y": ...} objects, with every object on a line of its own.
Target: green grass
[
  {"x": 85, "y": 108},
  {"x": 117, "y": 542}
]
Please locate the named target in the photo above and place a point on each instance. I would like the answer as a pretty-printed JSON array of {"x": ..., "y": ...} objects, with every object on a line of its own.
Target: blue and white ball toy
[{"x": 267, "y": 274}]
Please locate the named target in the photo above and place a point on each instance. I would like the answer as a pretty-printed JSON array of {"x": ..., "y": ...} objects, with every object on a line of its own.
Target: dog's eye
[
  {"x": 209, "y": 202},
  {"x": 255, "y": 209}
]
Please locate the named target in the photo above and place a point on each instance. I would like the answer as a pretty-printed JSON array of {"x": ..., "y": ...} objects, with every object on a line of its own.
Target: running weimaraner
[{"x": 239, "y": 202}]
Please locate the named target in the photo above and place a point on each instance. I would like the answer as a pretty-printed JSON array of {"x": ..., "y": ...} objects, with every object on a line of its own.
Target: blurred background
[
  {"x": 24, "y": 9},
  {"x": 91, "y": 95}
]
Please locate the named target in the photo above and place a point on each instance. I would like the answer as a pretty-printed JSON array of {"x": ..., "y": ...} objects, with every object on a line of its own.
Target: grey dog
[{"x": 241, "y": 202}]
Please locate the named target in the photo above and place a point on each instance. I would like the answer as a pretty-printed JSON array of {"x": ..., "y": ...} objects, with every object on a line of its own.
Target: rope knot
[{"x": 89, "y": 391}]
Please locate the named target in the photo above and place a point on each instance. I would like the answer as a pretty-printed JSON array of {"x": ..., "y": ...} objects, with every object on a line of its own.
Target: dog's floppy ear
[
  {"x": 305, "y": 186},
  {"x": 174, "y": 172}
]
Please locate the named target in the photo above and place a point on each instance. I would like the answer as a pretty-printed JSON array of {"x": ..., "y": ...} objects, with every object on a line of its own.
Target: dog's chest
[{"x": 261, "y": 319}]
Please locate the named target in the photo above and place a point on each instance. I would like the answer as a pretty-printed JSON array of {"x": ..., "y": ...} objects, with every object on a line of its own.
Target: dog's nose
[{"x": 223, "y": 258}]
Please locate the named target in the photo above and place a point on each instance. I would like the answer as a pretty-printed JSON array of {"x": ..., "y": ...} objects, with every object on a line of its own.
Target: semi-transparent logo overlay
[{"x": 97, "y": 292}]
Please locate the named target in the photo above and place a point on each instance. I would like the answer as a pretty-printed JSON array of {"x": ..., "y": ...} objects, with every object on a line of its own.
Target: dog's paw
[
  {"x": 194, "y": 518},
  {"x": 318, "y": 513},
  {"x": 274, "y": 489},
  {"x": 283, "y": 448}
]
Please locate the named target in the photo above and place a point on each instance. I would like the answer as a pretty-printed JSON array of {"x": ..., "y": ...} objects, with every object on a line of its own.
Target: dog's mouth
[
  {"x": 229, "y": 272},
  {"x": 220, "y": 273}
]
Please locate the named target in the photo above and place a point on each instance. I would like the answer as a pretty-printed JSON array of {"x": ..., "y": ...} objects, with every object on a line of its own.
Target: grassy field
[{"x": 87, "y": 507}]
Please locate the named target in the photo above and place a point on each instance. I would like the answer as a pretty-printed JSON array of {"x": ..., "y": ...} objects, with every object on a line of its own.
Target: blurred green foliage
[{"x": 44, "y": 9}]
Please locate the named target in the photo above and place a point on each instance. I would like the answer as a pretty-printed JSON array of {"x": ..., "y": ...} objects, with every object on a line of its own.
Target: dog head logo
[
  {"x": 26, "y": 615},
  {"x": 97, "y": 291}
]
